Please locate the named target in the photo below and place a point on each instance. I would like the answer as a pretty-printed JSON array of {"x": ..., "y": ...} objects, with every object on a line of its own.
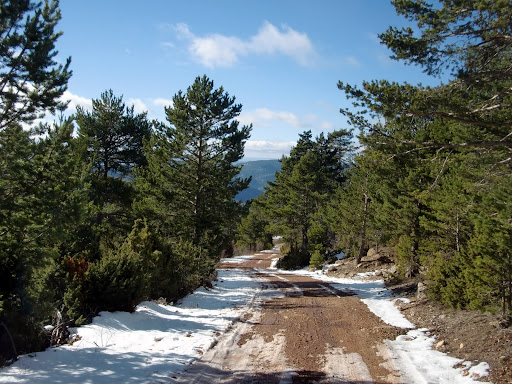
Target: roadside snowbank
[
  {"x": 420, "y": 363},
  {"x": 372, "y": 292},
  {"x": 413, "y": 352},
  {"x": 153, "y": 343}
]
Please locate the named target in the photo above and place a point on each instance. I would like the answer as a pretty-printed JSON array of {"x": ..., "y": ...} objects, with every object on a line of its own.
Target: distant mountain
[{"x": 261, "y": 172}]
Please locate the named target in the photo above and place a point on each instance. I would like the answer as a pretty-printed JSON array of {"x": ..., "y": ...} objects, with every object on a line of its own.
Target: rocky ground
[{"x": 468, "y": 335}]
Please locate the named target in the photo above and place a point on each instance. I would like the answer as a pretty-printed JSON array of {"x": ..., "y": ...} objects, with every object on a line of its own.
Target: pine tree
[
  {"x": 110, "y": 140},
  {"x": 253, "y": 230},
  {"x": 295, "y": 199},
  {"x": 445, "y": 145},
  {"x": 191, "y": 179},
  {"x": 113, "y": 135},
  {"x": 39, "y": 188},
  {"x": 350, "y": 212},
  {"x": 41, "y": 199},
  {"x": 489, "y": 273},
  {"x": 467, "y": 40},
  {"x": 31, "y": 82}
]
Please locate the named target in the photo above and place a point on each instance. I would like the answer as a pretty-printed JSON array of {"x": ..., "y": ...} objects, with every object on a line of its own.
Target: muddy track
[{"x": 311, "y": 333}]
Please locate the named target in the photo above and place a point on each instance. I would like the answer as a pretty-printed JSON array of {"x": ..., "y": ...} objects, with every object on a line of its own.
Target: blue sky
[{"x": 282, "y": 59}]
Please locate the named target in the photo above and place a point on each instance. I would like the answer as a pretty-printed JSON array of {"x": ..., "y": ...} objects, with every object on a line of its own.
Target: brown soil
[
  {"x": 313, "y": 333},
  {"x": 318, "y": 321},
  {"x": 467, "y": 335}
]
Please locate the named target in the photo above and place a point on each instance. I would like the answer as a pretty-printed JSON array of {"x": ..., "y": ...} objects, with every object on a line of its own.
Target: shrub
[{"x": 316, "y": 260}]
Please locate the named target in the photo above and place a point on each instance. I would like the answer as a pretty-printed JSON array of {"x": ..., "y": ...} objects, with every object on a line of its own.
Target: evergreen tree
[
  {"x": 191, "y": 179},
  {"x": 111, "y": 141},
  {"x": 40, "y": 202},
  {"x": 31, "y": 82},
  {"x": 444, "y": 146},
  {"x": 113, "y": 136},
  {"x": 350, "y": 211},
  {"x": 40, "y": 196},
  {"x": 295, "y": 199},
  {"x": 253, "y": 230},
  {"x": 489, "y": 273},
  {"x": 472, "y": 41}
]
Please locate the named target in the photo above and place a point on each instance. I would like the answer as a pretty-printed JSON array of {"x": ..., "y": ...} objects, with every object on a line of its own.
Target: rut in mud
[{"x": 311, "y": 333}]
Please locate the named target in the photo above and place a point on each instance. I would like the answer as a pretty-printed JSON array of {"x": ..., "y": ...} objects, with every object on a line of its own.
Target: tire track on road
[{"x": 311, "y": 333}]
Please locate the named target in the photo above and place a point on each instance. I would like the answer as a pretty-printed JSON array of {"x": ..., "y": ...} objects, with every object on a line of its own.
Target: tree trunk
[
  {"x": 457, "y": 232},
  {"x": 362, "y": 236}
]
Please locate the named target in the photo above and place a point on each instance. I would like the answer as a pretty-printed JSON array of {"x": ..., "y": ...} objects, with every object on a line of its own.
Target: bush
[
  {"x": 316, "y": 260},
  {"x": 446, "y": 279},
  {"x": 293, "y": 258}
]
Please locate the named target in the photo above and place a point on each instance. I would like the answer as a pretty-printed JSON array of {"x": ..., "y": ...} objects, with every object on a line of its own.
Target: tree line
[
  {"x": 432, "y": 176},
  {"x": 103, "y": 209}
]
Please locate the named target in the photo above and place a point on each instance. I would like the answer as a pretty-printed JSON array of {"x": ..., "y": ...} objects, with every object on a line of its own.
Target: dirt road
[{"x": 311, "y": 333}]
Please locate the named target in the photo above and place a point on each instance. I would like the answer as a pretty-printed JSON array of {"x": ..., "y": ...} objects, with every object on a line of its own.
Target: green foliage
[
  {"x": 109, "y": 144},
  {"x": 253, "y": 228},
  {"x": 113, "y": 283},
  {"x": 112, "y": 136},
  {"x": 444, "y": 153},
  {"x": 293, "y": 202},
  {"x": 350, "y": 211},
  {"x": 191, "y": 179},
  {"x": 405, "y": 257},
  {"x": 447, "y": 280},
  {"x": 490, "y": 279},
  {"x": 40, "y": 201},
  {"x": 31, "y": 83},
  {"x": 316, "y": 260},
  {"x": 69, "y": 240},
  {"x": 293, "y": 257}
]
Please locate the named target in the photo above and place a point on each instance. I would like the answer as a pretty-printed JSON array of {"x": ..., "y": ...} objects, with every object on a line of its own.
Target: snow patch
[
  {"x": 372, "y": 292},
  {"x": 419, "y": 363},
  {"x": 151, "y": 344}
]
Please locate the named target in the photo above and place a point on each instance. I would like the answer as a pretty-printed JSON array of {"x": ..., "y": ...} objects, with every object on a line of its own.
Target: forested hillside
[
  {"x": 432, "y": 176},
  {"x": 260, "y": 172}
]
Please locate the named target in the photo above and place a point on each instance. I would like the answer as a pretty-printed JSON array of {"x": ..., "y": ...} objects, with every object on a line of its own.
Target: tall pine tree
[{"x": 191, "y": 179}]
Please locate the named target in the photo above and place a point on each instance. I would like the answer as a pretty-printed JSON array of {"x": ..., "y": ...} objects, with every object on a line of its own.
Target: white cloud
[
  {"x": 183, "y": 31},
  {"x": 289, "y": 42},
  {"x": 352, "y": 61},
  {"x": 263, "y": 116},
  {"x": 217, "y": 50},
  {"x": 167, "y": 44},
  {"x": 75, "y": 100},
  {"x": 138, "y": 105},
  {"x": 267, "y": 149},
  {"x": 161, "y": 102},
  {"x": 326, "y": 126}
]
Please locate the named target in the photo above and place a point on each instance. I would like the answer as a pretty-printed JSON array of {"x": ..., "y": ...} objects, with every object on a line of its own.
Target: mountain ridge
[{"x": 261, "y": 172}]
